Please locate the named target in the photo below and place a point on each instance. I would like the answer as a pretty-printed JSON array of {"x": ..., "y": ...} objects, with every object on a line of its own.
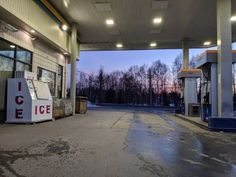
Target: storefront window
[
  {"x": 59, "y": 81},
  {"x": 7, "y": 49},
  {"x": 23, "y": 55},
  {"x": 49, "y": 77},
  {"x": 14, "y": 58},
  {"x": 22, "y": 67},
  {"x": 6, "y": 64}
]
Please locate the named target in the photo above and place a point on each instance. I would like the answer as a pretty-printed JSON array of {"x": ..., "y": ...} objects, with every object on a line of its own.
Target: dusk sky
[
  {"x": 121, "y": 60},
  {"x": 91, "y": 61}
]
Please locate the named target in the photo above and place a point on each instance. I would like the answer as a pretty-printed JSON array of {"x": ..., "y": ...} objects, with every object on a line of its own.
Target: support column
[
  {"x": 224, "y": 43},
  {"x": 185, "y": 45},
  {"x": 213, "y": 90},
  {"x": 224, "y": 120},
  {"x": 190, "y": 84},
  {"x": 74, "y": 55}
]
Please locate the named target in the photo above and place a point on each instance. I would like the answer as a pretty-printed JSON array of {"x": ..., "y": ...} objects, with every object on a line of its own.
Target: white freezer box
[{"x": 28, "y": 101}]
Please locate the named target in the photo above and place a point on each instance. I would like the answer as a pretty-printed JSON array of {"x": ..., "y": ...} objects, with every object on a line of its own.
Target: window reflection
[
  {"x": 6, "y": 64},
  {"x": 14, "y": 58},
  {"x": 22, "y": 67},
  {"x": 6, "y": 49},
  {"x": 49, "y": 77},
  {"x": 23, "y": 55}
]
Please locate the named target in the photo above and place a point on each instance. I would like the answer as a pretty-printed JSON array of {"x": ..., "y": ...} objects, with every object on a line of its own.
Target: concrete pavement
[{"x": 116, "y": 143}]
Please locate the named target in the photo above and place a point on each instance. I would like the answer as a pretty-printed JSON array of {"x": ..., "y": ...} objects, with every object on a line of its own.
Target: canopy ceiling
[{"x": 193, "y": 19}]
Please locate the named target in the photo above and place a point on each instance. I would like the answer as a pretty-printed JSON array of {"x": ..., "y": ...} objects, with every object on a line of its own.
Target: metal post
[
  {"x": 224, "y": 61},
  {"x": 74, "y": 55}
]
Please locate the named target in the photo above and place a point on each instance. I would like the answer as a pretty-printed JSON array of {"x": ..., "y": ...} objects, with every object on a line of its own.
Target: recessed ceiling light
[
  {"x": 157, "y": 20},
  {"x": 32, "y": 31},
  {"x": 119, "y": 45},
  {"x": 66, "y": 3},
  {"x": 207, "y": 43},
  {"x": 110, "y": 22},
  {"x": 12, "y": 46},
  {"x": 64, "y": 27},
  {"x": 153, "y": 44},
  {"x": 233, "y": 18}
]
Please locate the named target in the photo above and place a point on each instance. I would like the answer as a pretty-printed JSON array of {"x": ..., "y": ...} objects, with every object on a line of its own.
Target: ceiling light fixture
[
  {"x": 153, "y": 44},
  {"x": 12, "y": 46},
  {"x": 66, "y": 53},
  {"x": 66, "y": 3},
  {"x": 110, "y": 22},
  {"x": 233, "y": 18},
  {"x": 207, "y": 43},
  {"x": 157, "y": 20},
  {"x": 64, "y": 27},
  {"x": 119, "y": 45},
  {"x": 32, "y": 31}
]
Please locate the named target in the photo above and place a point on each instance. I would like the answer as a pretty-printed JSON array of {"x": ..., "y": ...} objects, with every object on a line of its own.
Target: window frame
[
  {"x": 15, "y": 60},
  {"x": 60, "y": 95},
  {"x": 55, "y": 80}
]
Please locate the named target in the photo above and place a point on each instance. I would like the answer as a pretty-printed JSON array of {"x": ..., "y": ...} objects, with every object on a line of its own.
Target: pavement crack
[{"x": 118, "y": 120}]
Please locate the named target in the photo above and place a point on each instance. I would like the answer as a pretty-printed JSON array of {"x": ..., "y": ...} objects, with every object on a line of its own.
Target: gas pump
[
  {"x": 205, "y": 92},
  {"x": 188, "y": 80},
  {"x": 207, "y": 62}
]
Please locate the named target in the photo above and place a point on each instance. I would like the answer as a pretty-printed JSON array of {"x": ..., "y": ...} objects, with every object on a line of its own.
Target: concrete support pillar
[
  {"x": 185, "y": 46},
  {"x": 190, "y": 84},
  {"x": 74, "y": 55},
  {"x": 213, "y": 90},
  {"x": 224, "y": 43}
]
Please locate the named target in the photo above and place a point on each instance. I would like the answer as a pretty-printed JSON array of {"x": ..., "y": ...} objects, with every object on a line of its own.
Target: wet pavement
[{"x": 116, "y": 143}]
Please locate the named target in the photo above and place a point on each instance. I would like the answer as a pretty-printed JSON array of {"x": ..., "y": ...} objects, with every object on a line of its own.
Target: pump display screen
[{"x": 42, "y": 90}]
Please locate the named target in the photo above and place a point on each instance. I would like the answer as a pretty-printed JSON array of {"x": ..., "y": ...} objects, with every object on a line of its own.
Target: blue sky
[{"x": 91, "y": 61}]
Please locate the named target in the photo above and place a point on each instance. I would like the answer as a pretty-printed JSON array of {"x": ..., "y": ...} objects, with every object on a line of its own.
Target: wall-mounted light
[
  {"x": 207, "y": 43},
  {"x": 12, "y": 46},
  {"x": 64, "y": 27},
  {"x": 153, "y": 44},
  {"x": 119, "y": 45}
]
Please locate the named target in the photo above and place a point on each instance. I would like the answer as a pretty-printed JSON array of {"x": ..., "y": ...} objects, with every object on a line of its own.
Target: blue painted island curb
[{"x": 222, "y": 124}]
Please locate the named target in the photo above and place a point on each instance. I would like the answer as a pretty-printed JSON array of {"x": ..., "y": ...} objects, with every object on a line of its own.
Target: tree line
[{"x": 140, "y": 85}]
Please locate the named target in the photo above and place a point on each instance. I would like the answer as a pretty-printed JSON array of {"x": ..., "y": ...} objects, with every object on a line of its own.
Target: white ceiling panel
[{"x": 193, "y": 19}]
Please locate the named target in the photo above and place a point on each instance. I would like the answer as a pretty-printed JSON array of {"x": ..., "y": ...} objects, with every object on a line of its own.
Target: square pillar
[
  {"x": 225, "y": 120},
  {"x": 190, "y": 84},
  {"x": 185, "y": 47},
  {"x": 224, "y": 61},
  {"x": 74, "y": 55}
]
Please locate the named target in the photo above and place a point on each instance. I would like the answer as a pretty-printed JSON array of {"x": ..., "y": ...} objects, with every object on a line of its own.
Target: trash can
[
  {"x": 205, "y": 112},
  {"x": 81, "y": 105},
  {"x": 193, "y": 109}
]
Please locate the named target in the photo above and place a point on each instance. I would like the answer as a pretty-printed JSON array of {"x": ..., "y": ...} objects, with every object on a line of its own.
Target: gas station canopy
[{"x": 132, "y": 23}]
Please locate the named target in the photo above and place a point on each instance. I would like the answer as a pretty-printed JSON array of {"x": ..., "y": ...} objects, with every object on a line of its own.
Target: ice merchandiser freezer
[{"x": 28, "y": 101}]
